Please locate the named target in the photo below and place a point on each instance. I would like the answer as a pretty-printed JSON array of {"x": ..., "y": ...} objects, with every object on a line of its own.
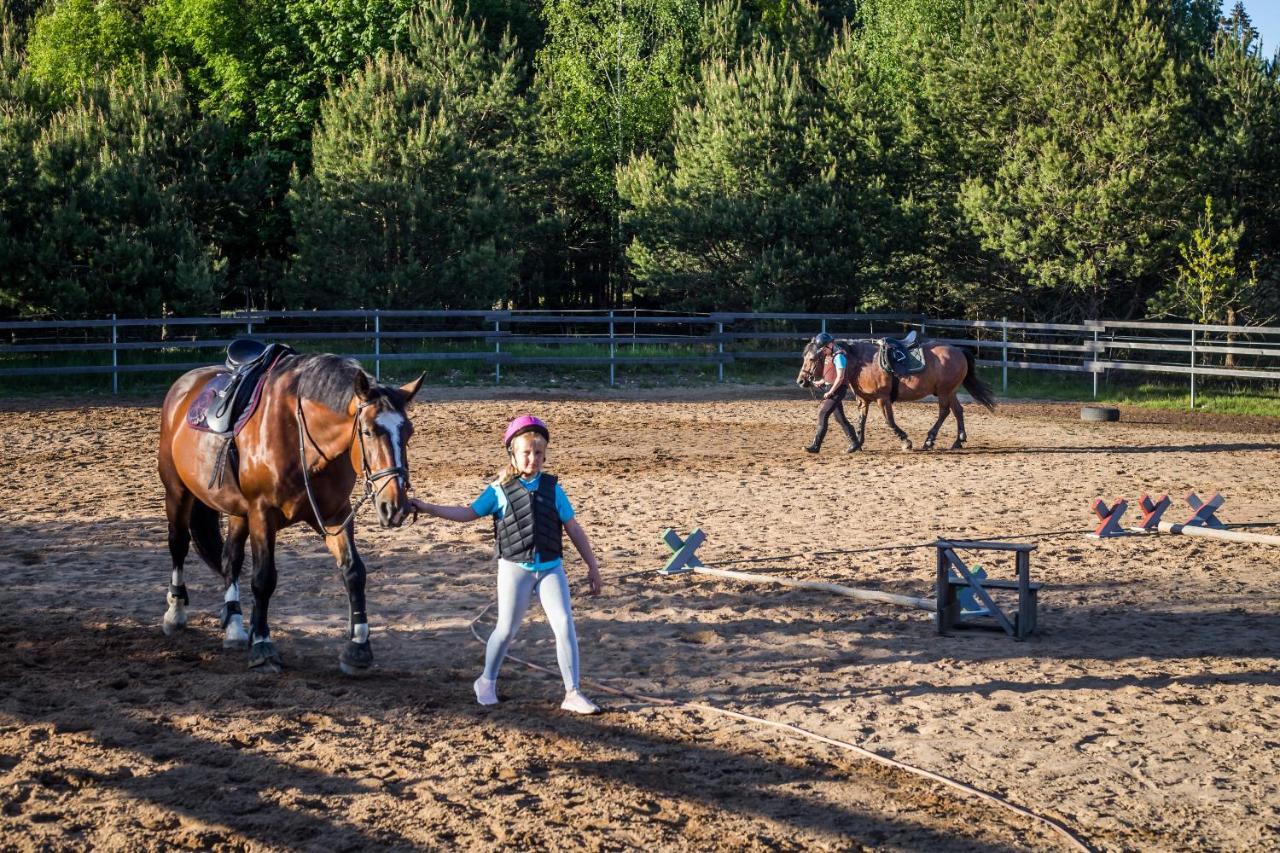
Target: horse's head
[
  {"x": 811, "y": 370},
  {"x": 382, "y": 429}
]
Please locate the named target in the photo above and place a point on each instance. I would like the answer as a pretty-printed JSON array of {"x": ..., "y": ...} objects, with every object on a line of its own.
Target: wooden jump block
[
  {"x": 1151, "y": 512},
  {"x": 683, "y": 558},
  {"x": 954, "y": 576},
  {"x": 1110, "y": 518},
  {"x": 1203, "y": 514}
]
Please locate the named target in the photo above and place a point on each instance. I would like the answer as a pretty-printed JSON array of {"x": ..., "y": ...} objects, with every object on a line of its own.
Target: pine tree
[
  {"x": 418, "y": 175},
  {"x": 774, "y": 199},
  {"x": 1073, "y": 122},
  {"x": 105, "y": 223}
]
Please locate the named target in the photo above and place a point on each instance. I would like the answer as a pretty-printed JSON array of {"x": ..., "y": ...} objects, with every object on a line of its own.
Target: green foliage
[
  {"x": 264, "y": 66},
  {"x": 1238, "y": 154},
  {"x": 1075, "y": 123},
  {"x": 75, "y": 42},
  {"x": 418, "y": 163},
  {"x": 99, "y": 197},
  {"x": 774, "y": 201},
  {"x": 609, "y": 84},
  {"x": 1210, "y": 286},
  {"x": 605, "y": 88},
  {"x": 900, "y": 34},
  {"x": 1043, "y": 160}
]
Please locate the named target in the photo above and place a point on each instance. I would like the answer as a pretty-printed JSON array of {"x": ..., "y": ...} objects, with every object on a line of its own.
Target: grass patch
[{"x": 1216, "y": 396}]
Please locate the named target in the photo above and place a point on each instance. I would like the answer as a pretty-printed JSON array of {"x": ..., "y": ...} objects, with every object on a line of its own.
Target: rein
[{"x": 369, "y": 478}]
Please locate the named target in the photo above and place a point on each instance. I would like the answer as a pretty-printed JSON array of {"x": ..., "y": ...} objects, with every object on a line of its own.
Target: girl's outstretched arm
[
  {"x": 580, "y": 541},
  {"x": 452, "y": 513}
]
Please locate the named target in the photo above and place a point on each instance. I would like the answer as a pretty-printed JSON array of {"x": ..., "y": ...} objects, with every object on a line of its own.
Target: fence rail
[{"x": 43, "y": 347}]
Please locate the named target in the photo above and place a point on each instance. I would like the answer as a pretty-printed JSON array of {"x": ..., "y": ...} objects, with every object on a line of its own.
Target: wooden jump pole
[
  {"x": 1215, "y": 533},
  {"x": 838, "y": 589}
]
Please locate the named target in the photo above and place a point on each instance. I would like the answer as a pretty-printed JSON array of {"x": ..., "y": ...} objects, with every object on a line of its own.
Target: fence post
[
  {"x": 497, "y": 350},
  {"x": 377, "y": 345},
  {"x": 720, "y": 332},
  {"x": 115, "y": 362},
  {"x": 1095, "y": 364},
  {"x": 1004, "y": 355},
  {"x": 1193, "y": 366},
  {"x": 612, "y": 349},
  {"x": 248, "y": 326}
]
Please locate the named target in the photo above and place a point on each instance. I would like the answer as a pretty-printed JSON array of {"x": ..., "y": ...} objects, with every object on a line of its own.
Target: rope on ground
[{"x": 1071, "y": 838}]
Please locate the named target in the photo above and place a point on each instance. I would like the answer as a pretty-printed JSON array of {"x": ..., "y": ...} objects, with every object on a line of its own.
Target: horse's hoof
[
  {"x": 173, "y": 623},
  {"x": 356, "y": 658},
  {"x": 263, "y": 657},
  {"x": 907, "y": 445},
  {"x": 235, "y": 642}
]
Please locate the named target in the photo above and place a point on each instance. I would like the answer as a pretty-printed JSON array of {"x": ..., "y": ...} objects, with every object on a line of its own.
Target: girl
[{"x": 529, "y": 511}]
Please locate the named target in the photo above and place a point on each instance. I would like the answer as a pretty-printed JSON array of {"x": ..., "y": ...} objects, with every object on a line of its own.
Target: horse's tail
[
  {"x": 206, "y": 534},
  {"x": 977, "y": 389}
]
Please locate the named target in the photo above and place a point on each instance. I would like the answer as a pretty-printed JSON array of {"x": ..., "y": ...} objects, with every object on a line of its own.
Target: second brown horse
[
  {"x": 946, "y": 370},
  {"x": 321, "y": 422}
]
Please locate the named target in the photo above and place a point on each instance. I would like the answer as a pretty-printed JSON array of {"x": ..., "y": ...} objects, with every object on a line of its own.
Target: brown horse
[
  {"x": 320, "y": 423},
  {"x": 947, "y": 368}
]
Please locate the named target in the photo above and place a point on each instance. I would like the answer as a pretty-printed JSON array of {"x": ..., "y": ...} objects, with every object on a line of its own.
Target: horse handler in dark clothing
[{"x": 832, "y": 400}]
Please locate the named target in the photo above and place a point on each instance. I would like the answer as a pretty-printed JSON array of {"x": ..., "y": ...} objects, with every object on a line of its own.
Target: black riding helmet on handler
[{"x": 821, "y": 340}]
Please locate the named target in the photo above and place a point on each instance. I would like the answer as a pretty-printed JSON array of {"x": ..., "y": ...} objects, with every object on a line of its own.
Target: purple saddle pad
[{"x": 198, "y": 413}]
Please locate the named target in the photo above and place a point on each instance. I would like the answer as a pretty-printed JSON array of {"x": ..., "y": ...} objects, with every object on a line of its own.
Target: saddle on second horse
[{"x": 902, "y": 356}]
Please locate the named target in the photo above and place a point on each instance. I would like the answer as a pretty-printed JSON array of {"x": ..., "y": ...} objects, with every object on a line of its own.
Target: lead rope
[{"x": 1073, "y": 840}]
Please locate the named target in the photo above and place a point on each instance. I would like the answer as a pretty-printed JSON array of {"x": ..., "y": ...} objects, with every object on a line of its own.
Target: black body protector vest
[{"x": 530, "y": 524}]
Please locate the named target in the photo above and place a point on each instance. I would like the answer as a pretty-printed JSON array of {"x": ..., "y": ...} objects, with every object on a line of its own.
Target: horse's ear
[
  {"x": 363, "y": 387},
  {"x": 411, "y": 388}
]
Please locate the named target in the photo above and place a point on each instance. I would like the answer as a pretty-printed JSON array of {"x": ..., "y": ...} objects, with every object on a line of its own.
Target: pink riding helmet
[{"x": 525, "y": 423}]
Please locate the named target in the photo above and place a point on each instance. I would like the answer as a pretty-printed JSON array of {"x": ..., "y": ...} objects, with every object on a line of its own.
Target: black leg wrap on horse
[
  {"x": 179, "y": 593},
  {"x": 229, "y": 609}
]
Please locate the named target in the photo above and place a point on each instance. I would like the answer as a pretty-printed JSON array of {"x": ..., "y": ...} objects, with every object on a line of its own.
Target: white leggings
[{"x": 515, "y": 588}]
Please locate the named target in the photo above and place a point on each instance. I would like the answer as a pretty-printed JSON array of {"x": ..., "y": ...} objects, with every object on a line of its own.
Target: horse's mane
[{"x": 324, "y": 377}]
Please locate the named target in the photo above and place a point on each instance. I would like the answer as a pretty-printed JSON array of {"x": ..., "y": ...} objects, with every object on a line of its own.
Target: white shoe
[
  {"x": 486, "y": 691},
  {"x": 577, "y": 703}
]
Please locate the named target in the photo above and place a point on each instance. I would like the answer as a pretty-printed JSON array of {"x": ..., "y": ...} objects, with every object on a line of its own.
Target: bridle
[
  {"x": 810, "y": 376},
  {"x": 400, "y": 472}
]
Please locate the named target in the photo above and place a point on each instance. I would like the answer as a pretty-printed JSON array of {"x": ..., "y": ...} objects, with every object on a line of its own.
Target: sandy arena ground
[{"x": 1144, "y": 715}]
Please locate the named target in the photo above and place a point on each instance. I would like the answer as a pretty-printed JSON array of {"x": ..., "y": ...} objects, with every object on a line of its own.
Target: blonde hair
[{"x": 510, "y": 472}]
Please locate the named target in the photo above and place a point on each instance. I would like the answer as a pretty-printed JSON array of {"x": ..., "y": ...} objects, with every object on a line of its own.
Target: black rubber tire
[{"x": 1099, "y": 413}]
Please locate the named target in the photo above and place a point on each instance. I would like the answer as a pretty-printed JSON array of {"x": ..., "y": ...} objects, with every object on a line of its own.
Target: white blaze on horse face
[{"x": 393, "y": 423}]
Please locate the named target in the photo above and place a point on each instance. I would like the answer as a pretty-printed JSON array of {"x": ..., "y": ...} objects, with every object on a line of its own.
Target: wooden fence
[{"x": 613, "y": 339}]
